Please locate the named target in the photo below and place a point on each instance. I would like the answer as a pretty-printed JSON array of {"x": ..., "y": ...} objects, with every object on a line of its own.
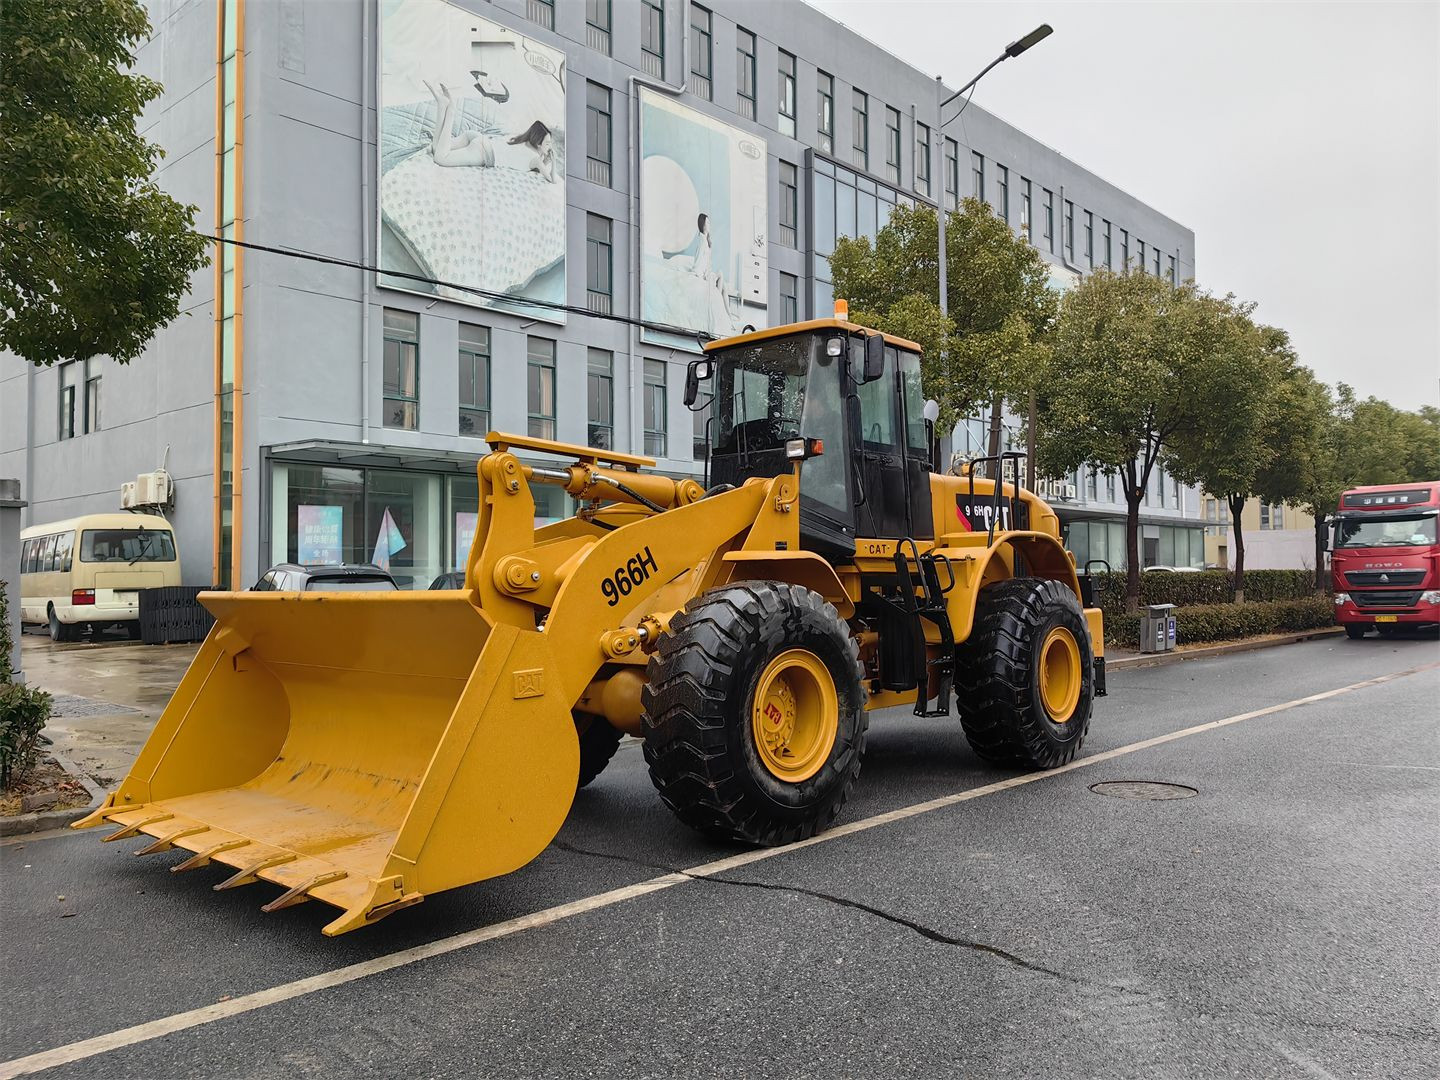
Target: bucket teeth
[
  {"x": 300, "y": 893},
  {"x": 134, "y": 830},
  {"x": 248, "y": 875},
  {"x": 202, "y": 858},
  {"x": 165, "y": 843}
]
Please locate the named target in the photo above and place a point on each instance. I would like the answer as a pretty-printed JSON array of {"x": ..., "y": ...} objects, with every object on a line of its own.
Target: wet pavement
[{"x": 85, "y": 678}]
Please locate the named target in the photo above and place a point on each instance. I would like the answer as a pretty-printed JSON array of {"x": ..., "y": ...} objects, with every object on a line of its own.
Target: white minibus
[{"x": 88, "y": 571}]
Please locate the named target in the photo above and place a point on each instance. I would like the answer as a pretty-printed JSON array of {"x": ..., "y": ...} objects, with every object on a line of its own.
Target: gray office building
[{"x": 532, "y": 178}]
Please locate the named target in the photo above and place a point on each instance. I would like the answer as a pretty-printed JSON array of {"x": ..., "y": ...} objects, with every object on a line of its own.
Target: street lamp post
[{"x": 1015, "y": 48}]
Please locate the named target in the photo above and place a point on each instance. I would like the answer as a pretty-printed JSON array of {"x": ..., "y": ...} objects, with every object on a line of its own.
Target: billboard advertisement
[
  {"x": 471, "y": 158},
  {"x": 704, "y": 262}
]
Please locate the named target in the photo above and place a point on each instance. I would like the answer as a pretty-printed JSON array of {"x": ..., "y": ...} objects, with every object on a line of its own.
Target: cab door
[
  {"x": 882, "y": 501},
  {"x": 916, "y": 449}
]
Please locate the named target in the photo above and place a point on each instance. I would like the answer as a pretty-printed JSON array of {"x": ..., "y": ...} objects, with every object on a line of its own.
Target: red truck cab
[{"x": 1385, "y": 561}]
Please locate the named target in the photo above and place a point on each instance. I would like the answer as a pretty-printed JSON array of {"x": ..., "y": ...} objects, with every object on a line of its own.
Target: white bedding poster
[
  {"x": 472, "y": 158},
  {"x": 704, "y": 263}
]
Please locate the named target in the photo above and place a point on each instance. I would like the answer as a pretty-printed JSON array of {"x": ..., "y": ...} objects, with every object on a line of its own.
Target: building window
[
  {"x": 789, "y": 298},
  {"x": 1172, "y": 271},
  {"x": 1156, "y": 264},
  {"x": 655, "y": 426},
  {"x": 69, "y": 396},
  {"x": 1175, "y": 493},
  {"x": 1272, "y": 516},
  {"x": 600, "y": 397},
  {"x": 1024, "y": 204},
  {"x": 1089, "y": 238},
  {"x": 789, "y": 205},
  {"x": 922, "y": 157},
  {"x": 825, "y": 106},
  {"x": 701, "y": 60},
  {"x": 542, "y": 12},
  {"x": 92, "y": 398},
  {"x": 1110, "y": 486},
  {"x": 1124, "y": 249},
  {"x": 892, "y": 143},
  {"x": 1092, "y": 485},
  {"x": 652, "y": 37},
  {"x": 1140, "y": 257},
  {"x": 977, "y": 175},
  {"x": 745, "y": 57},
  {"x": 952, "y": 172},
  {"x": 597, "y": 25},
  {"x": 540, "y": 372},
  {"x": 474, "y": 380},
  {"x": 599, "y": 134},
  {"x": 1070, "y": 230},
  {"x": 402, "y": 369},
  {"x": 1002, "y": 192},
  {"x": 787, "y": 94},
  {"x": 599, "y": 264},
  {"x": 1106, "y": 240},
  {"x": 1049, "y": 233},
  {"x": 860, "y": 121}
]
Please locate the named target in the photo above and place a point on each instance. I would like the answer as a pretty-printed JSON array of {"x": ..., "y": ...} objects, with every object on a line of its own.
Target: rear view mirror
[
  {"x": 697, "y": 371},
  {"x": 874, "y": 357}
]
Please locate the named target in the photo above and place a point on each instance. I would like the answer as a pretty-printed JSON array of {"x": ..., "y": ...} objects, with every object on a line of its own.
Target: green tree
[
  {"x": 94, "y": 257},
  {"x": 993, "y": 345},
  {"x": 1141, "y": 368},
  {"x": 1225, "y": 451}
]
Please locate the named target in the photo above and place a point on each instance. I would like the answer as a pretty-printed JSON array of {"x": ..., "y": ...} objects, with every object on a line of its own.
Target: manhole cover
[{"x": 1143, "y": 789}]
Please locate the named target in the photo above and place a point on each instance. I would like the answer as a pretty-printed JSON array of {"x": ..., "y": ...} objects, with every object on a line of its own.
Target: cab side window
[
  {"x": 877, "y": 408},
  {"x": 916, "y": 437}
]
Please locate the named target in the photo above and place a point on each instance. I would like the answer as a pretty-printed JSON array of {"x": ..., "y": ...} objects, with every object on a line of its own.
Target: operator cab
[{"x": 857, "y": 392}]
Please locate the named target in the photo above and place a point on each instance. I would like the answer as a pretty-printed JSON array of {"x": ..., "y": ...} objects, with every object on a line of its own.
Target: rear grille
[
  {"x": 1385, "y": 577},
  {"x": 1386, "y": 598}
]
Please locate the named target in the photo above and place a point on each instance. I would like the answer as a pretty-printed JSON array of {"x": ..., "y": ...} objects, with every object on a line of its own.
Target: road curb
[
  {"x": 1146, "y": 660},
  {"x": 44, "y": 820}
]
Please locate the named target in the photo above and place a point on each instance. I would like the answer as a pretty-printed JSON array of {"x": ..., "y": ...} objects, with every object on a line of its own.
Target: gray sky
[{"x": 1299, "y": 140}]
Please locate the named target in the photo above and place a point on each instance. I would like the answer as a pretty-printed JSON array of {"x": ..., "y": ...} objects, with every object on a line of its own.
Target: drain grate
[
  {"x": 74, "y": 705},
  {"x": 1143, "y": 789}
]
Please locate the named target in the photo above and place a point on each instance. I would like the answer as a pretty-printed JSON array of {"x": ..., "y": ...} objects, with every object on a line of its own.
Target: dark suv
[{"x": 338, "y": 577}]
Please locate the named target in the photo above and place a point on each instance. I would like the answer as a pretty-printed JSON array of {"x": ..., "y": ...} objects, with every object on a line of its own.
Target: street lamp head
[{"x": 1039, "y": 34}]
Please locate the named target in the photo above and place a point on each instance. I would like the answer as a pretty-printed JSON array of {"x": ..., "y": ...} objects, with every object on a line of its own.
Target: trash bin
[{"x": 1157, "y": 628}]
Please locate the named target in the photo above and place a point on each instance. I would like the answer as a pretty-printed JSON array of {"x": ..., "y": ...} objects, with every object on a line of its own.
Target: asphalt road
[{"x": 1281, "y": 923}]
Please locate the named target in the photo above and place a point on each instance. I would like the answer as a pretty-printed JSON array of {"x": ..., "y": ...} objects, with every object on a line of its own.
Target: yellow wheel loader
[{"x": 368, "y": 749}]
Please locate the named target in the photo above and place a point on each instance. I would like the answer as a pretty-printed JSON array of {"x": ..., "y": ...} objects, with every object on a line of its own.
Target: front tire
[
  {"x": 754, "y": 713},
  {"x": 1354, "y": 631},
  {"x": 1025, "y": 678}
]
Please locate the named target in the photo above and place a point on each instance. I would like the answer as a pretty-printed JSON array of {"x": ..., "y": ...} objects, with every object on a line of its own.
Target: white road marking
[
  {"x": 183, "y": 1021},
  {"x": 1375, "y": 765}
]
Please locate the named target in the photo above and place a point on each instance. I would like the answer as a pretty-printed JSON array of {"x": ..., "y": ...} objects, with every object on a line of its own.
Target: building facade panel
[{"x": 313, "y": 404}]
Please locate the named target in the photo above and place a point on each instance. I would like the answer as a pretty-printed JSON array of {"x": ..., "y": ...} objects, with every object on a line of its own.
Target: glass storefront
[
  {"x": 416, "y": 524},
  {"x": 1160, "y": 545}
]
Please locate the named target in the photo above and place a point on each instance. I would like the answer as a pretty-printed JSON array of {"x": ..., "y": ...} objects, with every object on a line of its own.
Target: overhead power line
[{"x": 505, "y": 299}]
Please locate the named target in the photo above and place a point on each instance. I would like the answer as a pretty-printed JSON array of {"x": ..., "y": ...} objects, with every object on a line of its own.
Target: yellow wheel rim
[
  {"x": 794, "y": 716},
  {"x": 1060, "y": 674}
]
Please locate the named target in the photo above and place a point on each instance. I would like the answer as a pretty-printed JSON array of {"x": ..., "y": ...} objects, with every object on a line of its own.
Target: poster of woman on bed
[
  {"x": 704, "y": 262},
  {"x": 472, "y": 158}
]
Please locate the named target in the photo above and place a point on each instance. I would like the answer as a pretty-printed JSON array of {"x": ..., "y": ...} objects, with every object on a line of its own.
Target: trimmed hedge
[
  {"x": 1226, "y": 622},
  {"x": 1204, "y": 587},
  {"x": 5, "y": 641},
  {"x": 23, "y": 713}
]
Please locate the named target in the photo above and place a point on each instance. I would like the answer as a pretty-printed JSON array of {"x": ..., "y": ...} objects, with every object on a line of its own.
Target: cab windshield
[
  {"x": 760, "y": 394},
  {"x": 1414, "y": 530}
]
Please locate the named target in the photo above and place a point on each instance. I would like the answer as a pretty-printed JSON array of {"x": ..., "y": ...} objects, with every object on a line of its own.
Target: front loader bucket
[{"x": 363, "y": 749}]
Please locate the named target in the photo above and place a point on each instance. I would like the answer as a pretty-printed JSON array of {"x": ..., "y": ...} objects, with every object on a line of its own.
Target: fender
[{"x": 797, "y": 567}]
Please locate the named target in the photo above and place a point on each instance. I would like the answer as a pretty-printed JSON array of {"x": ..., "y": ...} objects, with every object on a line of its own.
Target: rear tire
[
  {"x": 61, "y": 631},
  {"x": 1025, "y": 678},
  {"x": 1354, "y": 631},
  {"x": 598, "y": 743},
  {"x": 754, "y": 713}
]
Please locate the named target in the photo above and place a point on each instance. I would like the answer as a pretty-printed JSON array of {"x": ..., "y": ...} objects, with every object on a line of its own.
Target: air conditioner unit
[
  {"x": 127, "y": 495},
  {"x": 153, "y": 488}
]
